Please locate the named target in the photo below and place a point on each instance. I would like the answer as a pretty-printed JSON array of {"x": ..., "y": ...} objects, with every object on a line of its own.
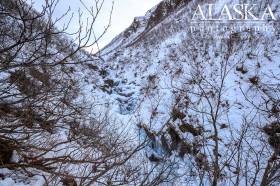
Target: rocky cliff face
[{"x": 142, "y": 25}]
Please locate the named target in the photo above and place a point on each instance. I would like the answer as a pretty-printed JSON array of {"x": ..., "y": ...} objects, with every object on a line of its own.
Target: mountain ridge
[{"x": 143, "y": 24}]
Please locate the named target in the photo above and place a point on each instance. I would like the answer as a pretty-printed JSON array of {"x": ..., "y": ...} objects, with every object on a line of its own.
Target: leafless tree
[
  {"x": 46, "y": 121},
  {"x": 223, "y": 147}
]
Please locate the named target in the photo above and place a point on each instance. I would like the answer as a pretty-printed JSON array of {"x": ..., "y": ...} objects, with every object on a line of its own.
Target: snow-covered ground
[{"x": 149, "y": 71}]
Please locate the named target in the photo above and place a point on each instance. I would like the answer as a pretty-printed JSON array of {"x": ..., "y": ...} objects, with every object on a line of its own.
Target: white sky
[{"x": 123, "y": 14}]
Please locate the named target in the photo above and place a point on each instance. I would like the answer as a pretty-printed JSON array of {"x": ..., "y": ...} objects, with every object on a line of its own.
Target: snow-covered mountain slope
[
  {"x": 202, "y": 99},
  {"x": 205, "y": 89},
  {"x": 53, "y": 130},
  {"x": 163, "y": 54}
]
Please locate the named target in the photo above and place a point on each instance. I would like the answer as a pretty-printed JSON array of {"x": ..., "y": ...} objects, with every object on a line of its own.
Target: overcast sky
[{"x": 123, "y": 14}]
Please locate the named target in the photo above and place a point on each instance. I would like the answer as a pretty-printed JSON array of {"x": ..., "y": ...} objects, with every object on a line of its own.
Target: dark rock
[
  {"x": 254, "y": 80},
  {"x": 153, "y": 158},
  {"x": 273, "y": 132},
  {"x": 163, "y": 10},
  {"x": 69, "y": 181},
  {"x": 103, "y": 73},
  {"x": 177, "y": 114},
  {"x": 174, "y": 137},
  {"x": 241, "y": 69},
  {"x": 223, "y": 126},
  {"x": 6, "y": 152},
  {"x": 191, "y": 129},
  {"x": 165, "y": 145},
  {"x": 149, "y": 133},
  {"x": 195, "y": 149},
  {"x": 109, "y": 82},
  {"x": 275, "y": 109},
  {"x": 93, "y": 67},
  {"x": 274, "y": 141},
  {"x": 201, "y": 161},
  {"x": 185, "y": 148},
  {"x": 272, "y": 128}
]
